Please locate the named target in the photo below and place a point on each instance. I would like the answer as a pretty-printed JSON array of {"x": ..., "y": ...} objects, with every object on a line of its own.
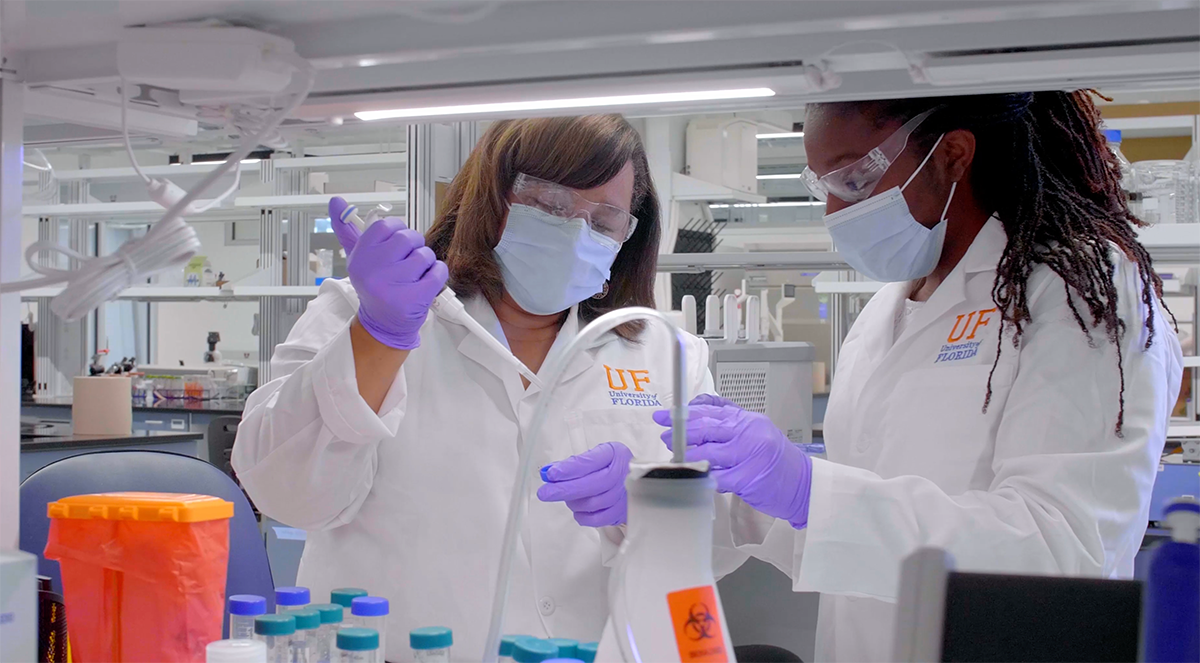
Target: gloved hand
[
  {"x": 396, "y": 277},
  {"x": 591, "y": 483},
  {"x": 347, "y": 233},
  {"x": 749, "y": 457}
]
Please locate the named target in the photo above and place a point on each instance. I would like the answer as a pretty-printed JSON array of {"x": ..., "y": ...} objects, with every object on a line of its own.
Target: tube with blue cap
[{"x": 447, "y": 304}]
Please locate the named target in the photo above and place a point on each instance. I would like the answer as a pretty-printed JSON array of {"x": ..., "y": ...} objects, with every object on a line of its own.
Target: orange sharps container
[{"x": 143, "y": 573}]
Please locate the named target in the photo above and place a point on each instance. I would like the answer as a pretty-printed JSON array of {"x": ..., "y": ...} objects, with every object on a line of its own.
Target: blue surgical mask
[
  {"x": 550, "y": 263},
  {"x": 880, "y": 238}
]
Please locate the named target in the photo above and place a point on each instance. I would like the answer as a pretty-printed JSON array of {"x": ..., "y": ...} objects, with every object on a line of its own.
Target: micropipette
[{"x": 447, "y": 304}]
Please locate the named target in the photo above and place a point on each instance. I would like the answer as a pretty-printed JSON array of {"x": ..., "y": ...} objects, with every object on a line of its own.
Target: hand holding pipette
[{"x": 351, "y": 229}]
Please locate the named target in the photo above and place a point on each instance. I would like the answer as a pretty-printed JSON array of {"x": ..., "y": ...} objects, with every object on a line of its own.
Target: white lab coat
[
  {"x": 411, "y": 503},
  {"x": 1040, "y": 483}
]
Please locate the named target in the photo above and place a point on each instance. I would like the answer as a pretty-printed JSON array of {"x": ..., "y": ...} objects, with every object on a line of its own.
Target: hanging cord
[
  {"x": 47, "y": 180},
  {"x": 168, "y": 243}
]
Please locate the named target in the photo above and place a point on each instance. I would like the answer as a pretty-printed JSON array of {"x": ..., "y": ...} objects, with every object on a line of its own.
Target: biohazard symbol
[{"x": 700, "y": 624}]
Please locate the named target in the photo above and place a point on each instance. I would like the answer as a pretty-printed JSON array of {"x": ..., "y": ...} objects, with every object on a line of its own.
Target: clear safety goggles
[
  {"x": 566, "y": 203},
  {"x": 857, "y": 181}
]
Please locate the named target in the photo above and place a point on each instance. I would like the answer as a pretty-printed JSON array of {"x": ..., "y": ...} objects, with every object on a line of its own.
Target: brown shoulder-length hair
[{"x": 577, "y": 152}]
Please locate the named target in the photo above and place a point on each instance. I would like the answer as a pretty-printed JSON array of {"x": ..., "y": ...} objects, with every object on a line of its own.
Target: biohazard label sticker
[{"x": 697, "y": 621}]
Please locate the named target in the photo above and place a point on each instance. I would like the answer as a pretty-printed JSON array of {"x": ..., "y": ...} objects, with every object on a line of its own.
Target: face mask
[
  {"x": 880, "y": 238},
  {"x": 550, "y": 263}
]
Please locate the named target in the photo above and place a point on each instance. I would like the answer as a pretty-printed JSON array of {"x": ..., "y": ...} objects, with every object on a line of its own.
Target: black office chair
[
  {"x": 222, "y": 431},
  {"x": 764, "y": 654}
]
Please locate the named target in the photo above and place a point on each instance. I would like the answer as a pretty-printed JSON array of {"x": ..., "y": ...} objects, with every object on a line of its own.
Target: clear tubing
[
  {"x": 241, "y": 627},
  {"x": 516, "y": 509}
]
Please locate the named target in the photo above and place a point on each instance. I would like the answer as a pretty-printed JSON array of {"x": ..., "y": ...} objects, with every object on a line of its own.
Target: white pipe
[
  {"x": 752, "y": 319},
  {"x": 712, "y": 316},
  {"x": 689, "y": 313},
  {"x": 733, "y": 321}
]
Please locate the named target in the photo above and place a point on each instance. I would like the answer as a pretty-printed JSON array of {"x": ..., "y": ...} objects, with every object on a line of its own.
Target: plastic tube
[
  {"x": 712, "y": 315},
  {"x": 516, "y": 510},
  {"x": 449, "y": 306},
  {"x": 733, "y": 319}
]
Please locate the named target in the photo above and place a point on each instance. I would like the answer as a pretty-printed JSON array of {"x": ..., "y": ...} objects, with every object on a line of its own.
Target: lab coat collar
[
  {"x": 982, "y": 256},
  {"x": 477, "y": 350}
]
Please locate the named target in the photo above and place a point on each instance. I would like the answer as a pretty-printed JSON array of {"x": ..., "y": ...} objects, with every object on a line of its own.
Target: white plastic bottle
[
  {"x": 357, "y": 645},
  {"x": 235, "y": 651},
  {"x": 304, "y": 640},
  {"x": 431, "y": 644},
  {"x": 243, "y": 608},
  {"x": 371, "y": 612},
  {"x": 1128, "y": 181},
  {"x": 276, "y": 631}
]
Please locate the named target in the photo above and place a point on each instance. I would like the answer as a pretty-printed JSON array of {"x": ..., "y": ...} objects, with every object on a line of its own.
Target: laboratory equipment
[
  {"x": 774, "y": 379},
  {"x": 431, "y": 644},
  {"x": 688, "y": 305},
  {"x": 723, "y": 151},
  {"x": 371, "y": 612},
  {"x": 18, "y": 606},
  {"x": 212, "y": 355},
  {"x": 662, "y": 592},
  {"x": 276, "y": 631},
  {"x": 206, "y": 381},
  {"x": 679, "y": 416},
  {"x": 345, "y": 595},
  {"x": 243, "y": 608},
  {"x": 331, "y": 621},
  {"x": 948, "y": 615},
  {"x": 1168, "y": 190},
  {"x": 1128, "y": 181},
  {"x": 533, "y": 650},
  {"x": 506, "y": 646},
  {"x": 149, "y": 568},
  {"x": 357, "y": 645},
  {"x": 290, "y": 598},
  {"x": 236, "y": 651},
  {"x": 566, "y": 647},
  {"x": 586, "y": 651},
  {"x": 304, "y": 640},
  {"x": 1171, "y": 621},
  {"x": 448, "y": 306}
]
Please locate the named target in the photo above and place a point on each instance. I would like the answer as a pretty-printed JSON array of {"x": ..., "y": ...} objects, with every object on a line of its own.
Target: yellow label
[{"x": 697, "y": 622}]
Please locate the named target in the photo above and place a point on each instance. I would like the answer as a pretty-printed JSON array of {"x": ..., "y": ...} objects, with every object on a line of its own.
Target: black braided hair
[{"x": 1043, "y": 167}]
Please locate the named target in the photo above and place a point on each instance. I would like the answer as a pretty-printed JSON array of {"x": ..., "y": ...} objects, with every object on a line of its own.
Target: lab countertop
[
  {"x": 72, "y": 441},
  {"x": 216, "y": 406}
]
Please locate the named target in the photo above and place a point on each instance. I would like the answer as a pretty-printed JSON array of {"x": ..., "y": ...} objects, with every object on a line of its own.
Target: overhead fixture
[
  {"x": 220, "y": 157},
  {"x": 564, "y": 104},
  {"x": 780, "y": 176},
  {"x": 782, "y": 203},
  {"x": 784, "y": 134}
]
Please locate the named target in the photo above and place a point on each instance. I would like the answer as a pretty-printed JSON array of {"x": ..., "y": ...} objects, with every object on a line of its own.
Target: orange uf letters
[
  {"x": 621, "y": 374},
  {"x": 638, "y": 380},
  {"x": 982, "y": 321},
  {"x": 956, "y": 335}
]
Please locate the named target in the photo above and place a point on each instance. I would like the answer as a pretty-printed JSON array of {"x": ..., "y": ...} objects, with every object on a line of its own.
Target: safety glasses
[
  {"x": 566, "y": 203},
  {"x": 857, "y": 181}
]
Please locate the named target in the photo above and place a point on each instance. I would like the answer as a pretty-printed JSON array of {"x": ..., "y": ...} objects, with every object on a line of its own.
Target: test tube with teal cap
[
  {"x": 533, "y": 650},
  {"x": 371, "y": 612}
]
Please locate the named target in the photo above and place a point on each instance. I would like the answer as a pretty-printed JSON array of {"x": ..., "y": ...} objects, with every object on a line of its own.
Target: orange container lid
[{"x": 146, "y": 507}]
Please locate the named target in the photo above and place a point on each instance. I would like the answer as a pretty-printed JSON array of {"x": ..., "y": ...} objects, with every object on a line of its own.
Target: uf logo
[
  {"x": 638, "y": 378},
  {"x": 981, "y": 319}
]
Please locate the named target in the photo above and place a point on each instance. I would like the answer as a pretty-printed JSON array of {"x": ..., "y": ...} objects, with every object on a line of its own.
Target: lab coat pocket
[
  {"x": 632, "y": 427},
  {"x": 937, "y": 425}
]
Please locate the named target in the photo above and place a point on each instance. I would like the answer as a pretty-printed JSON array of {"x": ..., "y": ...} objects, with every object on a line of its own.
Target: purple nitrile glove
[
  {"x": 591, "y": 483},
  {"x": 749, "y": 457},
  {"x": 347, "y": 233},
  {"x": 396, "y": 277}
]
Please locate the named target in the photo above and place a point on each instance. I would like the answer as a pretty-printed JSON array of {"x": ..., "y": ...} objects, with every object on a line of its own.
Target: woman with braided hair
[{"x": 1005, "y": 396}]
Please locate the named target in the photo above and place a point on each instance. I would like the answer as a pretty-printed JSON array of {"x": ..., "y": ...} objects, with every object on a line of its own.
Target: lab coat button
[{"x": 546, "y": 605}]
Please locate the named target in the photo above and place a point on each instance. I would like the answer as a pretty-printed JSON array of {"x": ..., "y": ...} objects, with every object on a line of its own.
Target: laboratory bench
[
  {"x": 167, "y": 415},
  {"x": 45, "y": 443}
]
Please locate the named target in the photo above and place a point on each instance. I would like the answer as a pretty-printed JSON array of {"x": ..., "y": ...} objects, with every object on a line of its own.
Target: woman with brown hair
[{"x": 392, "y": 435}]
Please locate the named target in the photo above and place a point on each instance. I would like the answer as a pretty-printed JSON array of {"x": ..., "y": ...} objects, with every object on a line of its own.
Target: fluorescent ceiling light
[
  {"x": 564, "y": 104},
  {"x": 780, "y": 176},
  {"x": 786, "y": 134},
  {"x": 785, "y": 203}
]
